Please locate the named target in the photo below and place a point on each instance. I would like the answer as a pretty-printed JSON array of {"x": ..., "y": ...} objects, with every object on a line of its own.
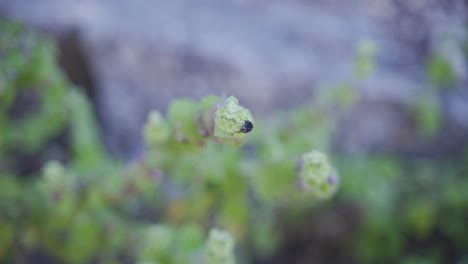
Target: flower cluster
[
  {"x": 232, "y": 121},
  {"x": 157, "y": 130},
  {"x": 317, "y": 176},
  {"x": 220, "y": 247},
  {"x": 55, "y": 177}
]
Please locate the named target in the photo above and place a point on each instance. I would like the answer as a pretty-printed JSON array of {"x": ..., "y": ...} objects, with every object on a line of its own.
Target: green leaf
[
  {"x": 440, "y": 72},
  {"x": 182, "y": 114}
]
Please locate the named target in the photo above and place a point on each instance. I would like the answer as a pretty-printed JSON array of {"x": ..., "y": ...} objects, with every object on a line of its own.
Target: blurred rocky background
[{"x": 132, "y": 56}]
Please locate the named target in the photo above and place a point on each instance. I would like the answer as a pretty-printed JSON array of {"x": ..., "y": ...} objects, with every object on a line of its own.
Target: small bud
[
  {"x": 232, "y": 121},
  {"x": 53, "y": 170},
  {"x": 55, "y": 177},
  {"x": 317, "y": 176},
  {"x": 156, "y": 130},
  {"x": 157, "y": 242},
  {"x": 220, "y": 247}
]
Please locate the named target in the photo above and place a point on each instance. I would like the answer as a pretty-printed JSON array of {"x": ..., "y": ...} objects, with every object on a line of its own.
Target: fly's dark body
[{"x": 246, "y": 127}]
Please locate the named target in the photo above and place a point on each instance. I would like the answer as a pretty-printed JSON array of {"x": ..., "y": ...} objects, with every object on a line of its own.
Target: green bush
[
  {"x": 193, "y": 176},
  {"x": 207, "y": 189}
]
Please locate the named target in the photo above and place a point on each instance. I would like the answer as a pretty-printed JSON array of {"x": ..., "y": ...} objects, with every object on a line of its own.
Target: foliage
[
  {"x": 440, "y": 72},
  {"x": 202, "y": 171},
  {"x": 154, "y": 210},
  {"x": 28, "y": 76},
  {"x": 410, "y": 205},
  {"x": 364, "y": 59}
]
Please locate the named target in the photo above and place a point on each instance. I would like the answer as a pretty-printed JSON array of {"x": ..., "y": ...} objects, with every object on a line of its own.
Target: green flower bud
[
  {"x": 53, "y": 171},
  {"x": 232, "y": 121},
  {"x": 156, "y": 130},
  {"x": 157, "y": 242},
  {"x": 317, "y": 176},
  {"x": 220, "y": 247},
  {"x": 55, "y": 176}
]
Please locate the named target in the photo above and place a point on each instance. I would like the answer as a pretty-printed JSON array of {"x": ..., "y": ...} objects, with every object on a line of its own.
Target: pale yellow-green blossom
[
  {"x": 220, "y": 247},
  {"x": 229, "y": 120},
  {"x": 317, "y": 175}
]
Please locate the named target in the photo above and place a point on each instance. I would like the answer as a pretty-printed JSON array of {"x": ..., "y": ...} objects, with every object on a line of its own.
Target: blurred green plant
[
  {"x": 426, "y": 111},
  {"x": 364, "y": 58},
  {"x": 440, "y": 72},
  {"x": 90, "y": 209},
  {"x": 190, "y": 183},
  {"x": 29, "y": 73}
]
